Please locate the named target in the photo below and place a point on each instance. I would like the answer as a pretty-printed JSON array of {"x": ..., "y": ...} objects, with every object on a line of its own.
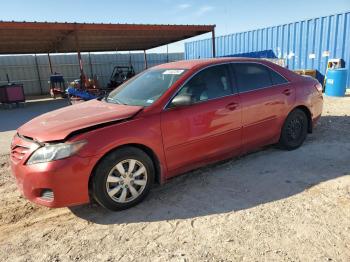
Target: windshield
[{"x": 145, "y": 88}]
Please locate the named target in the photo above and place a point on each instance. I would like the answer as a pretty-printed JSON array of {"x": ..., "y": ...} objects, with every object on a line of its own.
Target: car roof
[{"x": 199, "y": 63}]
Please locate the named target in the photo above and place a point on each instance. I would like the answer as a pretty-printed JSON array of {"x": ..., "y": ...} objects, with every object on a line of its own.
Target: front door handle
[
  {"x": 287, "y": 92},
  {"x": 232, "y": 106}
]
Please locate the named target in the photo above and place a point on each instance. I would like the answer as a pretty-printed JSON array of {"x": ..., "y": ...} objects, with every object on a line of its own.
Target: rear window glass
[
  {"x": 251, "y": 76},
  {"x": 277, "y": 79}
]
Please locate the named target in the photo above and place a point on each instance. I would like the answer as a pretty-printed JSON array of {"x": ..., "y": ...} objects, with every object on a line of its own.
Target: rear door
[
  {"x": 209, "y": 127},
  {"x": 266, "y": 98}
]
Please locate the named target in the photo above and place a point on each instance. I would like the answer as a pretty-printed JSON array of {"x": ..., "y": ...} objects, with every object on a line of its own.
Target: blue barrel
[{"x": 336, "y": 82}]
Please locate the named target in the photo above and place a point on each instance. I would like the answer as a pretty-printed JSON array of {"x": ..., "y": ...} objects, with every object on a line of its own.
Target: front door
[{"x": 207, "y": 128}]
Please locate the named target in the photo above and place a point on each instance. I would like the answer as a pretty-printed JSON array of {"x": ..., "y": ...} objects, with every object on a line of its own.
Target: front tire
[
  {"x": 294, "y": 130},
  {"x": 123, "y": 178}
]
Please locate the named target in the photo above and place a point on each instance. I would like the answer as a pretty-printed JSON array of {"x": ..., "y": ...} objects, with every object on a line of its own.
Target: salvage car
[{"x": 165, "y": 121}]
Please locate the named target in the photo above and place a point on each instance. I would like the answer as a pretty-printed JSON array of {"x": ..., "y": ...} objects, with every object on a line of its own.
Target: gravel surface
[
  {"x": 270, "y": 205},
  {"x": 13, "y": 118}
]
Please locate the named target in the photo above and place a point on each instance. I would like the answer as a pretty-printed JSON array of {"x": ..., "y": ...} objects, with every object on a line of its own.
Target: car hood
[{"x": 58, "y": 124}]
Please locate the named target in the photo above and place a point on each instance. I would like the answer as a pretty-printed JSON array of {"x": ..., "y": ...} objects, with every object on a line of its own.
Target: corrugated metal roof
[{"x": 43, "y": 37}]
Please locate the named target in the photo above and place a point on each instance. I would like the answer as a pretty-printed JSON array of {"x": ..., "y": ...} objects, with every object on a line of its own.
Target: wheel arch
[
  {"x": 144, "y": 148},
  {"x": 307, "y": 112}
]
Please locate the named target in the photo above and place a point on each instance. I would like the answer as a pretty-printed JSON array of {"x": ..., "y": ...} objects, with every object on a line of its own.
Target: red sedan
[{"x": 163, "y": 122}]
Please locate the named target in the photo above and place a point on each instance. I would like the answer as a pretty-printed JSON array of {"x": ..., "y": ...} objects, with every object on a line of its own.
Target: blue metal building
[{"x": 306, "y": 44}]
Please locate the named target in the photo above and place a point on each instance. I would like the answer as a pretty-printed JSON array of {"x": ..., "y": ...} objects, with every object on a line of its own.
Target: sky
[{"x": 229, "y": 16}]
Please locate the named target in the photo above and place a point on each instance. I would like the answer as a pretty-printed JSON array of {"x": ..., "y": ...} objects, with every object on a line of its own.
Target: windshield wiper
[
  {"x": 115, "y": 100},
  {"x": 103, "y": 96}
]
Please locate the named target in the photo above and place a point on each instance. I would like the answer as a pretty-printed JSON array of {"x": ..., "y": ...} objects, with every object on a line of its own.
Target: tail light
[{"x": 319, "y": 88}]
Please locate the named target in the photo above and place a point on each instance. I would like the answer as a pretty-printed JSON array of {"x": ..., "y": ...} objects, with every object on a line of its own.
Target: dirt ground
[{"x": 270, "y": 205}]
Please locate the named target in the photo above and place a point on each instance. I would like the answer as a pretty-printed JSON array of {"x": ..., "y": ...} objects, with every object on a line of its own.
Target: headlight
[{"x": 52, "y": 152}]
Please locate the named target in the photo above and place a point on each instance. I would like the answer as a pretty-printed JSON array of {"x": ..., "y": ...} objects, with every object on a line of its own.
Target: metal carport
[{"x": 44, "y": 37}]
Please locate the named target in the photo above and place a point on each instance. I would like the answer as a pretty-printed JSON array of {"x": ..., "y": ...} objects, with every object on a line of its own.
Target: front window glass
[
  {"x": 208, "y": 84},
  {"x": 145, "y": 88}
]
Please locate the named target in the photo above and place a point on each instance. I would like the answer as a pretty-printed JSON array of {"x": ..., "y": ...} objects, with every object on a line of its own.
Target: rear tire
[
  {"x": 294, "y": 130},
  {"x": 123, "y": 178}
]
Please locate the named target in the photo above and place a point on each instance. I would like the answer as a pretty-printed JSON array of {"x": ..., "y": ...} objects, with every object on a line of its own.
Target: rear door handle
[
  {"x": 232, "y": 106},
  {"x": 287, "y": 92}
]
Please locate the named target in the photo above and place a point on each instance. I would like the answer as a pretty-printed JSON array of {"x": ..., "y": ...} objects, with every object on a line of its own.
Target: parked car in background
[{"x": 165, "y": 121}]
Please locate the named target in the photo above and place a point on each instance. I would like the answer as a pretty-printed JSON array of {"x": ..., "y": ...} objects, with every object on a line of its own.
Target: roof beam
[
  {"x": 54, "y": 46},
  {"x": 28, "y": 37},
  {"x": 107, "y": 27}
]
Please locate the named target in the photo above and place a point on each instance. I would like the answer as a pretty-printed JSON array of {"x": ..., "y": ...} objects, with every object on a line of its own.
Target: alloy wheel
[{"x": 126, "y": 181}]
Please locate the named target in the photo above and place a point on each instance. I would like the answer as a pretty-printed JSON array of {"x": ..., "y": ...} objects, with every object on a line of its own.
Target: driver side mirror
[{"x": 181, "y": 100}]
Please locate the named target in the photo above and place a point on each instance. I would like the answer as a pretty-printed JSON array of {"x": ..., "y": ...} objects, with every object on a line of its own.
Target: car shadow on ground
[
  {"x": 262, "y": 177},
  {"x": 11, "y": 119}
]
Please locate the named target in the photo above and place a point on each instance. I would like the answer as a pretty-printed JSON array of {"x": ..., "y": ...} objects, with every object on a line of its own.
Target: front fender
[{"x": 143, "y": 131}]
